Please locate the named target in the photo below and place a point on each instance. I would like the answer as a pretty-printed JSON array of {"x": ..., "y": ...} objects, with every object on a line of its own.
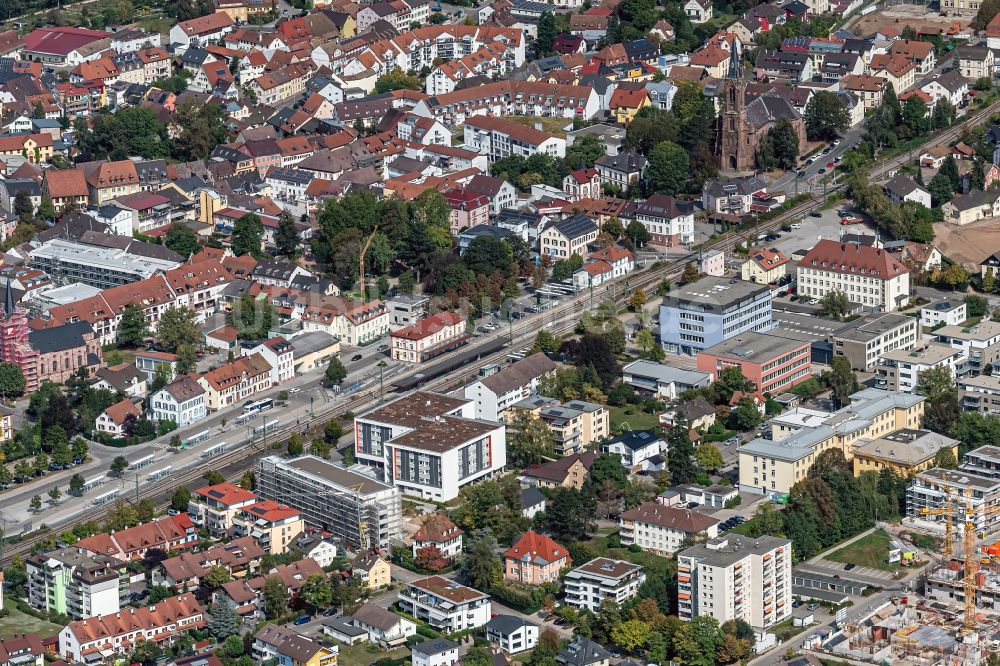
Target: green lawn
[
  {"x": 786, "y": 630},
  {"x": 638, "y": 421},
  {"x": 523, "y": 657},
  {"x": 17, "y": 622},
  {"x": 599, "y": 546},
  {"x": 358, "y": 655},
  {"x": 869, "y": 551}
]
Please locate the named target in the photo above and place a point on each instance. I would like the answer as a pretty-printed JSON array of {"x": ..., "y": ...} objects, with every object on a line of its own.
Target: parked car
[
  {"x": 357, "y": 357},
  {"x": 302, "y": 619},
  {"x": 383, "y": 348},
  {"x": 813, "y": 607},
  {"x": 849, "y": 566}
]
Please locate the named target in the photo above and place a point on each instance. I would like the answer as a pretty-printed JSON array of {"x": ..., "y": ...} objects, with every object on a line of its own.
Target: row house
[
  {"x": 492, "y": 61},
  {"x": 183, "y": 573},
  {"x": 36, "y": 148},
  {"x": 499, "y": 138},
  {"x": 898, "y": 70},
  {"x": 277, "y": 352},
  {"x": 245, "y": 39},
  {"x": 131, "y": 544},
  {"x": 110, "y": 180},
  {"x": 77, "y": 100},
  {"x": 867, "y": 88},
  {"x": 281, "y": 84},
  {"x": 86, "y": 640},
  {"x": 236, "y": 381},
  {"x": 248, "y": 595},
  {"x": 102, "y": 69},
  {"x": 784, "y": 65},
  {"x": 528, "y": 98}
]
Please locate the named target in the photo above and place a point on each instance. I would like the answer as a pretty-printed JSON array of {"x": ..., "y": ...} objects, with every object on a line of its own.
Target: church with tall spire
[{"x": 745, "y": 118}]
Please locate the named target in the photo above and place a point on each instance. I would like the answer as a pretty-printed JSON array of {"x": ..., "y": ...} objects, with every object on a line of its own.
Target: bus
[{"x": 257, "y": 406}]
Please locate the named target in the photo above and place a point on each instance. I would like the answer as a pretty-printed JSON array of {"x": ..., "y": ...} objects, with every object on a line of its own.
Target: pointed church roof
[
  {"x": 8, "y": 301},
  {"x": 735, "y": 63}
]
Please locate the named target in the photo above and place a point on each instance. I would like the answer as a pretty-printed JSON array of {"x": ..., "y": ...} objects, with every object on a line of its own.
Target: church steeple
[
  {"x": 735, "y": 63},
  {"x": 8, "y": 302},
  {"x": 735, "y": 154}
]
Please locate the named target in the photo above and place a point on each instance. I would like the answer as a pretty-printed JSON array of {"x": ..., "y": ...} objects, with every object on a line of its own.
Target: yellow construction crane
[
  {"x": 948, "y": 511},
  {"x": 361, "y": 261}
]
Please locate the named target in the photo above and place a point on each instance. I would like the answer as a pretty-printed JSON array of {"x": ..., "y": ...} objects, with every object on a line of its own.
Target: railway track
[{"x": 559, "y": 320}]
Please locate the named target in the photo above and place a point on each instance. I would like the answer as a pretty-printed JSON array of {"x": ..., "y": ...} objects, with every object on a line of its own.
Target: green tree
[
  {"x": 780, "y": 147},
  {"x": 224, "y": 621},
  {"x": 697, "y": 642},
  {"x": 233, "y": 646},
  {"x": 583, "y": 153},
  {"x": 630, "y": 634},
  {"x": 80, "y": 449},
  {"x": 275, "y": 597},
  {"x": 608, "y": 469},
  {"x": 46, "y": 210},
  {"x": 397, "y": 79},
  {"x": 36, "y": 504},
  {"x": 668, "y": 168},
  {"x": 286, "y": 236},
  {"x": 316, "y": 592},
  {"x": 216, "y": 577},
  {"x": 976, "y": 306},
  {"x": 680, "y": 452},
  {"x": 146, "y": 653},
  {"x": 181, "y": 239},
  {"x": 336, "y": 373},
  {"x": 638, "y": 233},
  {"x": 12, "y": 383},
  {"x": 23, "y": 207},
  {"x": 941, "y": 189},
  {"x": 941, "y": 410},
  {"x": 745, "y": 416},
  {"x": 915, "y": 117},
  {"x": 729, "y": 381},
  {"x": 76, "y": 484},
  {"x": 252, "y": 317},
  {"x": 248, "y": 232},
  {"x": 842, "y": 380},
  {"x": 546, "y": 34},
  {"x": 945, "y": 458},
  {"x": 199, "y": 128},
  {"x": 572, "y": 514},
  {"x": 177, "y": 326},
  {"x": 181, "y": 498},
  {"x": 834, "y": 304},
  {"x": 295, "y": 446},
  {"x": 132, "y": 329},
  {"x": 529, "y": 440},
  {"x": 119, "y": 465},
  {"x": 708, "y": 457},
  {"x": 826, "y": 117},
  {"x": 950, "y": 169},
  {"x": 480, "y": 562},
  {"x": 61, "y": 453}
]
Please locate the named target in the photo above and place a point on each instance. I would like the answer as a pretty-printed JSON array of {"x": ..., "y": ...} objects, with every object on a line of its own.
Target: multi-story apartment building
[
  {"x": 67, "y": 261},
  {"x": 277, "y": 353},
  {"x": 589, "y": 585},
  {"x": 661, "y": 529},
  {"x": 575, "y": 425},
  {"x": 869, "y": 276},
  {"x": 445, "y": 605},
  {"x": 75, "y": 583},
  {"x": 273, "y": 526},
  {"x": 428, "y": 338},
  {"x": 429, "y": 444},
  {"x": 493, "y": 395},
  {"x": 492, "y": 61},
  {"x": 865, "y": 340},
  {"x": 353, "y": 322},
  {"x": 774, "y": 364},
  {"x": 979, "y": 345},
  {"x": 900, "y": 369},
  {"x": 932, "y": 489},
  {"x": 90, "y": 638},
  {"x": 773, "y": 467},
  {"x": 333, "y": 498},
  {"x": 980, "y": 394},
  {"x": 227, "y": 385},
  {"x": 984, "y": 461},
  {"x": 508, "y": 97},
  {"x": 711, "y": 310},
  {"x": 946, "y": 313},
  {"x": 669, "y": 221},
  {"x": 215, "y": 507},
  {"x": 498, "y": 139},
  {"x": 736, "y": 578}
]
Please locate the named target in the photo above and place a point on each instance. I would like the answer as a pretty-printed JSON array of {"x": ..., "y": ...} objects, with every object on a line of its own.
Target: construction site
[{"x": 924, "y": 633}]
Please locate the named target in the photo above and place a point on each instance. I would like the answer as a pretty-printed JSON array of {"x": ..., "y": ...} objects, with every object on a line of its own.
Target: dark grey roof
[
  {"x": 627, "y": 161},
  {"x": 635, "y": 439},
  {"x": 952, "y": 81},
  {"x": 22, "y": 185},
  {"x": 508, "y": 624},
  {"x": 435, "y": 646},
  {"x": 486, "y": 230},
  {"x": 576, "y": 226},
  {"x": 976, "y": 53},
  {"x": 582, "y": 652},
  {"x": 132, "y": 246},
  {"x": 902, "y": 185},
  {"x": 769, "y": 108},
  {"x": 60, "y": 338},
  {"x": 723, "y": 187},
  {"x": 530, "y": 496}
]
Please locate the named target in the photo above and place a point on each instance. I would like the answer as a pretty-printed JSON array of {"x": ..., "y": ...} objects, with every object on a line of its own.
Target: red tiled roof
[
  {"x": 831, "y": 255},
  {"x": 226, "y": 493},
  {"x": 119, "y": 411},
  {"x": 437, "y": 528},
  {"x": 537, "y": 549}
]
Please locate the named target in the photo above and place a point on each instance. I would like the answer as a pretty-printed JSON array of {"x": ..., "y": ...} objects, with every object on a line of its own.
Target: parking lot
[{"x": 864, "y": 574}]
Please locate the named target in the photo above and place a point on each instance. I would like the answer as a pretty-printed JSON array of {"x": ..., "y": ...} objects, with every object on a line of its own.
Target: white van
[{"x": 796, "y": 226}]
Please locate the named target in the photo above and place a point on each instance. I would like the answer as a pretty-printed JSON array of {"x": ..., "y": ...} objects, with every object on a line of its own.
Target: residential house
[
  {"x": 118, "y": 419},
  {"x": 371, "y": 570},
  {"x": 500, "y": 193},
  {"x": 495, "y": 394},
  {"x": 622, "y": 170},
  {"x": 535, "y": 559},
  {"x": 568, "y": 237},
  {"x": 764, "y": 266},
  {"x": 215, "y": 508},
  {"x": 669, "y": 221},
  {"x": 635, "y": 448},
  {"x": 903, "y": 188},
  {"x": 445, "y": 605},
  {"x": 974, "y": 62},
  {"x": 434, "y": 652},
  {"x": 273, "y": 526},
  {"x": 383, "y": 626},
  {"x": 511, "y": 633},
  {"x": 428, "y": 338},
  {"x": 698, "y": 11},
  {"x": 582, "y": 184},
  {"x": 567, "y": 472},
  {"x": 437, "y": 531},
  {"x": 233, "y": 382},
  {"x": 277, "y": 353}
]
